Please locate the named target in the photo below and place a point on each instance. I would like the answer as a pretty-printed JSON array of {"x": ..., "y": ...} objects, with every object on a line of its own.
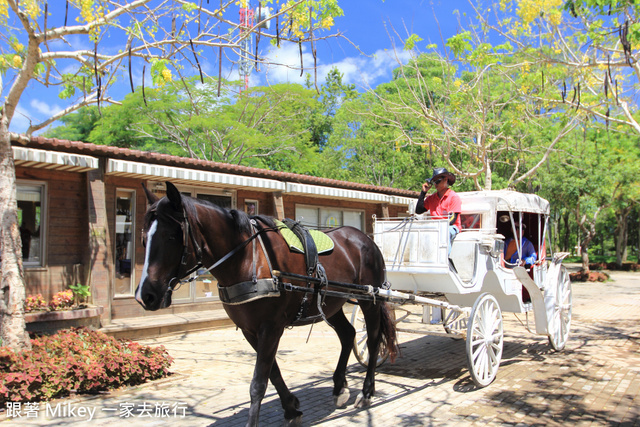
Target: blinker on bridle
[{"x": 187, "y": 235}]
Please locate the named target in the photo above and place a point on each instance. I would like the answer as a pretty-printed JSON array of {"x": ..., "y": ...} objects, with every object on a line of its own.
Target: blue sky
[
  {"x": 369, "y": 24},
  {"x": 375, "y": 26}
]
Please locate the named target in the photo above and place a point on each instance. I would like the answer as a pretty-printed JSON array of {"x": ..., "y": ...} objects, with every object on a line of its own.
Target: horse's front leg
[
  {"x": 372, "y": 318},
  {"x": 346, "y": 334},
  {"x": 290, "y": 403}
]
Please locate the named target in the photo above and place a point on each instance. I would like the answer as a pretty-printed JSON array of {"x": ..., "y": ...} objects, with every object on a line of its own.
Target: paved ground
[{"x": 595, "y": 381}]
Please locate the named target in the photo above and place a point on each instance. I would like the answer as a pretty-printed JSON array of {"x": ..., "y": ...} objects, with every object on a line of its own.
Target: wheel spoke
[
  {"x": 478, "y": 352},
  {"x": 363, "y": 351},
  {"x": 477, "y": 344},
  {"x": 362, "y": 339}
]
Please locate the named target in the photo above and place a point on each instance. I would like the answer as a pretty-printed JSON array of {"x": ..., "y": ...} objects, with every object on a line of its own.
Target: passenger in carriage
[
  {"x": 444, "y": 203},
  {"x": 528, "y": 255}
]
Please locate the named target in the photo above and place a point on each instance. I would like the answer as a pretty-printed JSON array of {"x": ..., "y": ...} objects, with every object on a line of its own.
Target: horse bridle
[{"x": 187, "y": 234}]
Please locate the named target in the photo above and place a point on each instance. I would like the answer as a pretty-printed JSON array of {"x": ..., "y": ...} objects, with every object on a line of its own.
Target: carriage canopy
[{"x": 504, "y": 200}]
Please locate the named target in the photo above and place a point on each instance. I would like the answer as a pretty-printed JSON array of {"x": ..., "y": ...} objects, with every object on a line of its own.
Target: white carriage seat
[{"x": 464, "y": 254}]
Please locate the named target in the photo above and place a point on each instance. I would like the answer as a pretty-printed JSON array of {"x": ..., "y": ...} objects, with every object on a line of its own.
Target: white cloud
[
  {"x": 284, "y": 63},
  {"x": 363, "y": 71},
  {"x": 45, "y": 109},
  {"x": 20, "y": 121},
  {"x": 37, "y": 112}
]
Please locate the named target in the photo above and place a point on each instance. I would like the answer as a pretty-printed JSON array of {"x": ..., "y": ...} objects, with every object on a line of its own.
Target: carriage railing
[
  {"x": 412, "y": 241},
  {"x": 423, "y": 242}
]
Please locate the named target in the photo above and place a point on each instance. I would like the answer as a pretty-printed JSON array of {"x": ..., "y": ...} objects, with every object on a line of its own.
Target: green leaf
[
  {"x": 460, "y": 43},
  {"x": 411, "y": 41}
]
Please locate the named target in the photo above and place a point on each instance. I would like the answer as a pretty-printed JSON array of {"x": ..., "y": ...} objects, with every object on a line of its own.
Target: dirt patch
[
  {"x": 589, "y": 276},
  {"x": 612, "y": 266}
]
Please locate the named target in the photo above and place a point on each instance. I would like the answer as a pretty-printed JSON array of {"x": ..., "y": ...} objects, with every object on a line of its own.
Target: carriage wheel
[
  {"x": 360, "y": 349},
  {"x": 454, "y": 324},
  {"x": 560, "y": 319},
  {"x": 484, "y": 340}
]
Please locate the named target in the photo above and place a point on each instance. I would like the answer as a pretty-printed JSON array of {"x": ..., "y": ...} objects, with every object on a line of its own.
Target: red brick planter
[{"x": 51, "y": 321}]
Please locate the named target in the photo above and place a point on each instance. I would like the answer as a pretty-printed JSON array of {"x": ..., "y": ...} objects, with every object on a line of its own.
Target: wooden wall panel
[{"x": 65, "y": 230}]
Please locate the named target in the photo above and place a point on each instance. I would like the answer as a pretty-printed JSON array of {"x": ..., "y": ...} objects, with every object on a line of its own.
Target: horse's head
[{"x": 165, "y": 242}]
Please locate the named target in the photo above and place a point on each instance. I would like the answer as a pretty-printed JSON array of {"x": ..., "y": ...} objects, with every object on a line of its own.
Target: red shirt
[{"x": 441, "y": 207}]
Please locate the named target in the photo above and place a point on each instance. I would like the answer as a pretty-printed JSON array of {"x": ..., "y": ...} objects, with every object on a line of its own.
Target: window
[
  {"x": 205, "y": 287},
  {"x": 125, "y": 244},
  {"x": 251, "y": 207},
  {"x": 469, "y": 221},
  {"x": 315, "y": 217},
  {"x": 30, "y": 197}
]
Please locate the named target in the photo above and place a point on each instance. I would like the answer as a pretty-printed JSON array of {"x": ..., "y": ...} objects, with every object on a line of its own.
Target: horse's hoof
[
  {"x": 340, "y": 401},
  {"x": 294, "y": 422},
  {"x": 362, "y": 402}
]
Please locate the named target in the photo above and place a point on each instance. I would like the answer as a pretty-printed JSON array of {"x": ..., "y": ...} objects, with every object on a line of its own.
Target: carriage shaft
[
  {"x": 369, "y": 292},
  {"x": 367, "y": 289}
]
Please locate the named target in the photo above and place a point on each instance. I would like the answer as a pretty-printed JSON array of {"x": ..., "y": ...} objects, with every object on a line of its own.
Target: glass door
[{"x": 124, "y": 242}]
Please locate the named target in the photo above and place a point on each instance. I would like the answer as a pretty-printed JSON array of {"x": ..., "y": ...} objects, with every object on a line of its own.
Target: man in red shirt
[{"x": 444, "y": 203}]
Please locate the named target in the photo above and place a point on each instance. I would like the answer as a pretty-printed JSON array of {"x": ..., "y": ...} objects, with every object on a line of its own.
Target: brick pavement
[{"x": 595, "y": 381}]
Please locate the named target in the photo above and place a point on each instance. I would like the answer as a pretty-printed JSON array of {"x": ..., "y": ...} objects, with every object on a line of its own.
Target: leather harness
[{"x": 240, "y": 293}]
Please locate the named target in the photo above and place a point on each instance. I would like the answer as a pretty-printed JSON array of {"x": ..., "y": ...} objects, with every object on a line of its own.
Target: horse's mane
[{"x": 240, "y": 218}]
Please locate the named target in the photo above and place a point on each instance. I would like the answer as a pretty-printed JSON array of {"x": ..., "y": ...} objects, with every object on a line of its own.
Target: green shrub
[
  {"x": 80, "y": 292},
  {"x": 80, "y": 360}
]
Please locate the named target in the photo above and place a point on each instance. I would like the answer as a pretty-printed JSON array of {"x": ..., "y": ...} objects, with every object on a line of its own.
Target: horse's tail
[{"x": 389, "y": 337}]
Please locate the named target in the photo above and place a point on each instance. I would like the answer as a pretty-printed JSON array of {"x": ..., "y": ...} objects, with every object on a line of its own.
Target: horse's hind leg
[
  {"x": 346, "y": 334},
  {"x": 289, "y": 401},
  {"x": 372, "y": 317}
]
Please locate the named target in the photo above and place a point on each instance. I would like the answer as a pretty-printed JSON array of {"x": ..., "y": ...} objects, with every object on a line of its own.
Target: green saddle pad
[{"x": 323, "y": 242}]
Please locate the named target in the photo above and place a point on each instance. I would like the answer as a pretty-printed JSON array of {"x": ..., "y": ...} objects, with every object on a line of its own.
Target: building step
[{"x": 154, "y": 326}]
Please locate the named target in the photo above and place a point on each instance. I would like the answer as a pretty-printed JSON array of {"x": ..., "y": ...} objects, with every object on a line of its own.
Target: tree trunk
[
  {"x": 588, "y": 227},
  {"x": 584, "y": 250},
  {"x": 567, "y": 233},
  {"x": 622, "y": 235},
  {"x": 555, "y": 229},
  {"x": 12, "y": 288},
  {"x": 488, "y": 179}
]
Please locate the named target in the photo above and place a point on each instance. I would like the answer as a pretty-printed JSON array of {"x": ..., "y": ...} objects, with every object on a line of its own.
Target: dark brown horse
[{"x": 181, "y": 233}]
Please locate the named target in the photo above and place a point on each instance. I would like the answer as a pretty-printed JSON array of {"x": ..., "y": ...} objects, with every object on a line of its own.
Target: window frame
[
  {"x": 331, "y": 208},
  {"x": 252, "y": 201},
  {"x": 44, "y": 220},
  {"x": 132, "y": 278}
]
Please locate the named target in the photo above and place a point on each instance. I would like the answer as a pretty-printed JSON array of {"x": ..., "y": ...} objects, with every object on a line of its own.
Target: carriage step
[{"x": 167, "y": 324}]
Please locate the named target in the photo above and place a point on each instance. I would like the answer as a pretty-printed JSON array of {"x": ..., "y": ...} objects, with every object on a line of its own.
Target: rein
[{"x": 175, "y": 283}]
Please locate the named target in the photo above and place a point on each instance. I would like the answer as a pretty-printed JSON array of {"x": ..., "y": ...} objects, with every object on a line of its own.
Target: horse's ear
[
  {"x": 151, "y": 198},
  {"x": 174, "y": 196}
]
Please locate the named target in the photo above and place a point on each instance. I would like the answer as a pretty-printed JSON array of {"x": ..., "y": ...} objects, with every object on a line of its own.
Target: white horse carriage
[{"x": 467, "y": 290}]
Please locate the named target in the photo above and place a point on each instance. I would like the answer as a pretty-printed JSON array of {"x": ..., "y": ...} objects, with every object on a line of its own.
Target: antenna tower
[{"x": 245, "y": 64}]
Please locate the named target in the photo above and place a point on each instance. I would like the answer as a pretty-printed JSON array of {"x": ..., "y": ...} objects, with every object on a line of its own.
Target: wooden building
[{"x": 81, "y": 209}]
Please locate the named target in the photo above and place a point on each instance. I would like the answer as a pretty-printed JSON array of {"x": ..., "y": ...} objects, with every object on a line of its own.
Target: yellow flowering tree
[
  {"x": 469, "y": 110},
  {"x": 82, "y": 49},
  {"x": 592, "y": 46}
]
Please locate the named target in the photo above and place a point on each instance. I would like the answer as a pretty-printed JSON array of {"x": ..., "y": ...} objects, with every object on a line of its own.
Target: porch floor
[{"x": 165, "y": 324}]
